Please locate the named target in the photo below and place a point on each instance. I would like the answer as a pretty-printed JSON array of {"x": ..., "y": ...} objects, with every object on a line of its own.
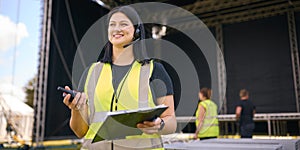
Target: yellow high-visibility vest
[
  {"x": 133, "y": 92},
  {"x": 210, "y": 125}
]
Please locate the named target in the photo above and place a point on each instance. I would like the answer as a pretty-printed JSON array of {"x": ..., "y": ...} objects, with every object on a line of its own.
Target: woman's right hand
[
  {"x": 79, "y": 115},
  {"x": 77, "y": 103}
]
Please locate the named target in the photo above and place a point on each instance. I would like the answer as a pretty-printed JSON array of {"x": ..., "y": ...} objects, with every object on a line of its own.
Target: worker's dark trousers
[{"x": 247, "y": 130}]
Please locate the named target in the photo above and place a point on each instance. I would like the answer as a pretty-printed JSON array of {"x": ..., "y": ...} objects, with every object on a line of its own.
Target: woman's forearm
[
  {"x": 169, "y": 115},
  {"x": 79, "y": 122},
  {"x": 170, "y": 125},
  {"x": 199, "y": 125}
]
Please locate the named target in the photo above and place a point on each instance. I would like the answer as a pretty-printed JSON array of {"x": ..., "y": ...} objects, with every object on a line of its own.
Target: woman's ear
[{"x": 137, "y": 33}]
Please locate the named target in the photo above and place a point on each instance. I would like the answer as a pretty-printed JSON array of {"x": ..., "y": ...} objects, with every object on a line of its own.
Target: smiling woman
[
  {"x": 120, "y": 30},
  {"x": 124, "y": 79},
  {"x": 125, "y": 22},
  {"x": 120, "y": 33}
]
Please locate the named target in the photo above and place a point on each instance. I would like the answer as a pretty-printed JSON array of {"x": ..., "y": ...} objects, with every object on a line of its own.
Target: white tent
[{"x": 20, "y": 114}]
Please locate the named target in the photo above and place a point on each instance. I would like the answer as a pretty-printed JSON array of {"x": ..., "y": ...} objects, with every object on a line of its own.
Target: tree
[{"x": 29, "y": 90}]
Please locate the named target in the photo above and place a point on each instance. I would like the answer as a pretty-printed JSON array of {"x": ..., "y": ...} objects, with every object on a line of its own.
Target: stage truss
[{"x": 214, "y": 13}]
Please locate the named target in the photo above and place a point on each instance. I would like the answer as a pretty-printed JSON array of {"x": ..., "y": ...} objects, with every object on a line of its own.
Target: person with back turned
[
  {"x": 207, "y": 124},
  {"x": 245, "y": 111}
]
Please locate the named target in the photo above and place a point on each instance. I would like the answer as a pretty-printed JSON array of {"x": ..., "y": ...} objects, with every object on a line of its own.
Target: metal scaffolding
[
  {"x": 214, "y": 13},
  {"x": 294, "y": 55},
  {"x": 40, "y": 91},
  {"x": 221, "y": 70},
  {"x": 276, "y": 122}
]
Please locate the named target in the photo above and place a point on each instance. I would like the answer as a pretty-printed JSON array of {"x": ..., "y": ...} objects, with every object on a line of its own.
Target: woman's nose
[{"x": 117, "y": 28}]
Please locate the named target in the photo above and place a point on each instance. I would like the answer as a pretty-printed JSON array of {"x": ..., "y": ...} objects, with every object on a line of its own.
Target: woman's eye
[
  {"x": 111, "y": 24},
  {"x": 123, "y": 24}
]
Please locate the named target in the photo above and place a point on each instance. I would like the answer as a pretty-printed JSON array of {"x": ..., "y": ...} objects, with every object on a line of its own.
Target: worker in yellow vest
[
  {"x": 207, "y": 124},
  {"x": 124, "y": 79}
]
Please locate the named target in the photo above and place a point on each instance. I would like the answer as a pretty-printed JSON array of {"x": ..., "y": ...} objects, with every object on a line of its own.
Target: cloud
[
  {"x": 9, "y": 31},
  {"x": 8, "y": 89},
  {"x": 5, "y": 80}
]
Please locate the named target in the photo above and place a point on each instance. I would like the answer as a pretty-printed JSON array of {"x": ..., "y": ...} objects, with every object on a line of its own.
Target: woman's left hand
[
  {"x": 195, "y": 136},
  {"x": 150, "y": 127}
]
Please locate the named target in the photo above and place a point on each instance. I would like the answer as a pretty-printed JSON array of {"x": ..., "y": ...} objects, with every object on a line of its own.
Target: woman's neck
[
  {"x": 122, "y": 56},
  {"x": 205, "y": 99}
]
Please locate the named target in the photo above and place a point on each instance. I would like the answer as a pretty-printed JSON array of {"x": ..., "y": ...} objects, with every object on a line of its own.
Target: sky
[{"x": 19, "y": 39}]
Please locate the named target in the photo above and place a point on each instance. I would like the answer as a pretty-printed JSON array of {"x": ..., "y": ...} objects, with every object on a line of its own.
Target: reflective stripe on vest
[
  {"x": 124, "y": 144},
  {"x": 133, "y": 92},
  {"x": 92, "y": 78},
  {"x": 210, "y": 125}
]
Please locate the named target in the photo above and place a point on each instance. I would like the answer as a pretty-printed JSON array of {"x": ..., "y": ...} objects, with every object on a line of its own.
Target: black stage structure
[{"x": 258, "y": 39}]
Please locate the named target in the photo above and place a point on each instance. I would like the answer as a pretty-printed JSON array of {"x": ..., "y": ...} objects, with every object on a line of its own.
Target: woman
[
  {"x": 123, "y": 79},
  {"x": 207, "y": 125}
]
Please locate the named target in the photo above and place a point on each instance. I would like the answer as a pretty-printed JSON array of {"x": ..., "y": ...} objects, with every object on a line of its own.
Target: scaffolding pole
[
  {"x": 41, "y": 85},
  {"x": 294, "y": 56}
]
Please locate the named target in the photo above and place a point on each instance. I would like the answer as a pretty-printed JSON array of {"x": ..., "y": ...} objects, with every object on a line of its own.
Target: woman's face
[{"x": 120, "y": 29}]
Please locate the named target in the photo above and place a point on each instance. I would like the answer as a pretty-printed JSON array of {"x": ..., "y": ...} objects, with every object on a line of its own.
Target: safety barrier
[{"x": 276, "y": 122}]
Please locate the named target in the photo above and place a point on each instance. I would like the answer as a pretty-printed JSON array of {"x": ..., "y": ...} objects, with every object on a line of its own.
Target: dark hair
[
  {"x": 243, "y": 93},
  {"x": 206, "y": 92},
  {"x": 139, "y": 48}
]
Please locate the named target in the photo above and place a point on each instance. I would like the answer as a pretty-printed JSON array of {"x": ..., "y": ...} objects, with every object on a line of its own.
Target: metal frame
[
  {"x": 41, "y": 86},
  {"x": 213, "y": 13},
  {"x": 294, "y": 55},
  {"x": 274, "y": 120},
  {"x": 5, "y": 110},
  {"x": 221, "y": 69},
  {"x": 221, "y": 77},
  {"x": 252, "y": 14}
]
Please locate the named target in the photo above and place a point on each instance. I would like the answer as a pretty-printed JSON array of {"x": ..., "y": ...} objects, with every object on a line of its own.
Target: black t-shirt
[
  {"x": 160, "y": 82},
  {"x": 247, "y": 112}
]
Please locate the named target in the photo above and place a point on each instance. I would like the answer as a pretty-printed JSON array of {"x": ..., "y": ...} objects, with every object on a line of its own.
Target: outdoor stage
[
  {"x": 258, "y": 40},
  {"x": 185, "y": 141},
  {"x": 237, "y": 144}
]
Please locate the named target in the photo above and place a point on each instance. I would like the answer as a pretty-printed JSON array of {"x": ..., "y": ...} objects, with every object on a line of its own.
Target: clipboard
[{"x": 119, "y": 124}]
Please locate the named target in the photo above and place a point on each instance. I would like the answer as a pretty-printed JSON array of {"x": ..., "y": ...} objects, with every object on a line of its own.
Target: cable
[
  {"x": 63, "y": 124},
  {"x": 15, "y": 47},
  {"x": 0, "y": 5},
  {"x": 99, "y": 2},
  {"x": 74, "y": 32},
  {"x": 60, "y": 53}
]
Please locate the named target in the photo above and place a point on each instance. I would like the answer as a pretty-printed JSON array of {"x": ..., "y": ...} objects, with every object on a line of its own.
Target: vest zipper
[
  {"x": 112, "y": 103},
  {"x": 111, "y": 107}
]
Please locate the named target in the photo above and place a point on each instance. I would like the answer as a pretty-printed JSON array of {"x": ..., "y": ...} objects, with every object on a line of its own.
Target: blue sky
[{"x": 28, "y": 29}]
